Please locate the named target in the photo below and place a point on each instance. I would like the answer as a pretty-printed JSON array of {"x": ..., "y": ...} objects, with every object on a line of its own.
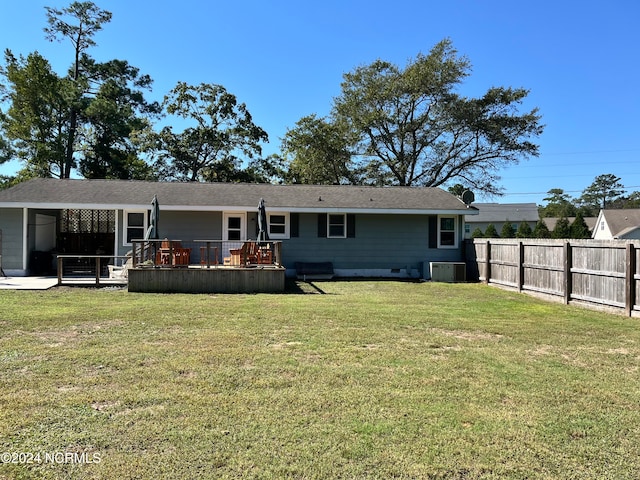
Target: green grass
[{"x": 369, "y": 380}]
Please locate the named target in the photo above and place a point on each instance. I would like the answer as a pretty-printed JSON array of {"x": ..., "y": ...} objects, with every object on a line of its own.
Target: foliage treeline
[
  {"x": 606, "y": 192},
  {"x": 562, "y": 229},
  {"x": 390, "y": 125}
]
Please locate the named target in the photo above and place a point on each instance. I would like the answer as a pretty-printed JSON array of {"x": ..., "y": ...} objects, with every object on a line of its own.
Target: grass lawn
[{"x": 369, "y": 380}]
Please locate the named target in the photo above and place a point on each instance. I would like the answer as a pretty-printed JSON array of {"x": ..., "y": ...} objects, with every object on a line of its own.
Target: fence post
[
  {"x": 630, "y": 281},
  {"x": 59, "y": 271},
  {"x": 520, "y": 265},
  {"x": 97, "y": 270},
  {"x": 568, "y": 280},
  {"x": 487, "y": 266}
]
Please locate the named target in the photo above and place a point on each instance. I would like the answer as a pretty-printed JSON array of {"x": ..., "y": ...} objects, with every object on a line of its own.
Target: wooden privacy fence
[{"x": 596, "y": 272}]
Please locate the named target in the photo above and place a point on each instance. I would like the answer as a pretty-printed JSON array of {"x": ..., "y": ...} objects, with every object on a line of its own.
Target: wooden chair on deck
[
  {"x": 181, "y": 256},
  {"x": 265, "y": 255},
  {"x": 250, "y": 253},
  {"x": 243, "y": 256}
]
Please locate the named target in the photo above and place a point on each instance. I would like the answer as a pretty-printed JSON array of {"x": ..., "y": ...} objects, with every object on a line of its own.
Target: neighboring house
[
  {"x": 363, "y": 231},
  {"x": 617, "y": 224},
  {"x": 551, "y": 222},
  {"x": 498, "y": 213}
]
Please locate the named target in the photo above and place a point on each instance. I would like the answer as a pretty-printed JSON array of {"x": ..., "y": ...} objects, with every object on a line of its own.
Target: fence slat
[{"x": 598, "y": 272}]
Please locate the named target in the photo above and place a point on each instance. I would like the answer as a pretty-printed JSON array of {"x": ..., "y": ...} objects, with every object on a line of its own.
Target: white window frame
[
  {"x": 125, "y": 224},
  {"x": 225, "y": 226},
  {"x": 455, "y": 231},
  {"x": 278, "y": 236},
  {"x": 344, "y": 225}
]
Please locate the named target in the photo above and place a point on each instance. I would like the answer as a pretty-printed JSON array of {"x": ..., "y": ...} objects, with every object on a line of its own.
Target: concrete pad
[{"x": 27, "y": 283}]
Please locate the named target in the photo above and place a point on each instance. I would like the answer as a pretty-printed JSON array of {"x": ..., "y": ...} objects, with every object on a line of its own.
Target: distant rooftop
[{"x": 499, "y": 212}]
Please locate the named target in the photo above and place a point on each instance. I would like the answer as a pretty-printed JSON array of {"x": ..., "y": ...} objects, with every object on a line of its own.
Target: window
[
  {"x": 467, "y": 228},
  {"x": 336, "y": 225},
  {"x": 447, "y": 232},
  {"x": 135, "y": 226},
  {"x": 278, "y": 225}
]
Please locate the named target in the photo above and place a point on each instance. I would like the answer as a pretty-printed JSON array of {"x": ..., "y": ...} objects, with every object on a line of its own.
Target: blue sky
[{"x": 285, "y": 60}]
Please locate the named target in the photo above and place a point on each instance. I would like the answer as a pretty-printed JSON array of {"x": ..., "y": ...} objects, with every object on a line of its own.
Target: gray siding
[
  {"x": 381, "y": 242},
  {"x": 12, "y": 235},
  {"x": 185, "y": 226},
  {"x": 188, "y": 226}
]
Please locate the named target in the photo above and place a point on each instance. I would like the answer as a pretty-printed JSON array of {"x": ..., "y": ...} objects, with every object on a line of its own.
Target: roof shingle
[{"x": 114, "y": 193}]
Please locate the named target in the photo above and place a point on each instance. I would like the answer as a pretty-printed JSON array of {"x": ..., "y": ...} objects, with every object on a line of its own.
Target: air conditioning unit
[{"x": 448, "y": 271}]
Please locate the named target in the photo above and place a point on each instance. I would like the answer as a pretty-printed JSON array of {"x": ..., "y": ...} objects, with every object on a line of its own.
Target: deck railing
[
  {"x": 172, "y": 253},
  {"x": 91, "y": 269}
]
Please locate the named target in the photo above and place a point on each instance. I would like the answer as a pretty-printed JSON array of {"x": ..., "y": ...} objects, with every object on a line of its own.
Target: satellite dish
[{"x": 468, "y": 197}]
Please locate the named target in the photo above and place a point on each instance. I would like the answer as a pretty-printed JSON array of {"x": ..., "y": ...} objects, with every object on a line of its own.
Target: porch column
[
  {"x": 116, "y": 235},
  {"x": 25, "y": 238}
]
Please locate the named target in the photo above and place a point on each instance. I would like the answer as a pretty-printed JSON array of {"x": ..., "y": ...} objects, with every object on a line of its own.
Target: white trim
[
  {"x": 225, "y": 225},
  {"x": 404, "y": 272},
  {"x": 455, "y": 231},
  {"x": 25, "y": 238},
  {"x": 125, "y": 224},
  {"x": 287, "y": 223},
  {"x": 246, "y": 208},
  {"x": 116, "y": 236}
]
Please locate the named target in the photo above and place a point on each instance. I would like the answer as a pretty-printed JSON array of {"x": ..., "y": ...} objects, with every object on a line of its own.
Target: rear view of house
[{"x": 361, "y": 231}]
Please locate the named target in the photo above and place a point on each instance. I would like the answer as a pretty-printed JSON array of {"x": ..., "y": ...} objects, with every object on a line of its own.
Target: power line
[
  {"x": 592, "y": 152},
  {"x": 564, "y": 191}
]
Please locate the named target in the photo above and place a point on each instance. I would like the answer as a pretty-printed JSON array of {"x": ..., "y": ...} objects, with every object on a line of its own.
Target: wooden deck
[{"x": 223, "y": 279}]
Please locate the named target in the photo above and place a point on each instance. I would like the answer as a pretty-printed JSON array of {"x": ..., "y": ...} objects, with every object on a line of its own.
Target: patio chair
[
  {"x": 121, "y": 271},
  {"x": 265, "y": 255},
  {"x": 172, "y": 253},
  {"x": 251, "y": 252},
  {"x": 243, "y": 256}
]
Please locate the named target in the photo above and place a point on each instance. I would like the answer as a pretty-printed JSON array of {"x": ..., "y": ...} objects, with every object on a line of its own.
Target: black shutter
[
  {"x": 433, "y": 231},
  {"x": 294, "y": 218},
  {"x": 322, "y": 225},
  {"x": 351, "y": 225}
]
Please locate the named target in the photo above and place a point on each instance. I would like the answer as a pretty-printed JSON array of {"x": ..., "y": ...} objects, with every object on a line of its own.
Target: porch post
[
  {"x": 116, "y": 236},
  {"x": 25, "y": 238}
]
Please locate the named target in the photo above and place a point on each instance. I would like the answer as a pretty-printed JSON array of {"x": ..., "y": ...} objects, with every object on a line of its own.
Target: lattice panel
[{"x": 88, "y": 221}]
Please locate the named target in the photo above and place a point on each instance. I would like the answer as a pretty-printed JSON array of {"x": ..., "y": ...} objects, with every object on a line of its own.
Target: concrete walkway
[{"x": 27, "y": 283}]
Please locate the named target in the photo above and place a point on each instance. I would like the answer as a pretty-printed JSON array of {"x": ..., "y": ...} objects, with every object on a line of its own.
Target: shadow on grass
[{"x": 300, "y": 287}]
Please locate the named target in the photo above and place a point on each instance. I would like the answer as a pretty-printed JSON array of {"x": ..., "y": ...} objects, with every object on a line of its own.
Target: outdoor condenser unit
[{"x": 448, "y": 271}]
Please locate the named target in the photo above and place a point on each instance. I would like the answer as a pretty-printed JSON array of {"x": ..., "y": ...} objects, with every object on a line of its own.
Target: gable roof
[
  {"x": 106, "y": 194},
  {"x": 500, "y": 212},
  {"x": 621, "y": 221}
]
